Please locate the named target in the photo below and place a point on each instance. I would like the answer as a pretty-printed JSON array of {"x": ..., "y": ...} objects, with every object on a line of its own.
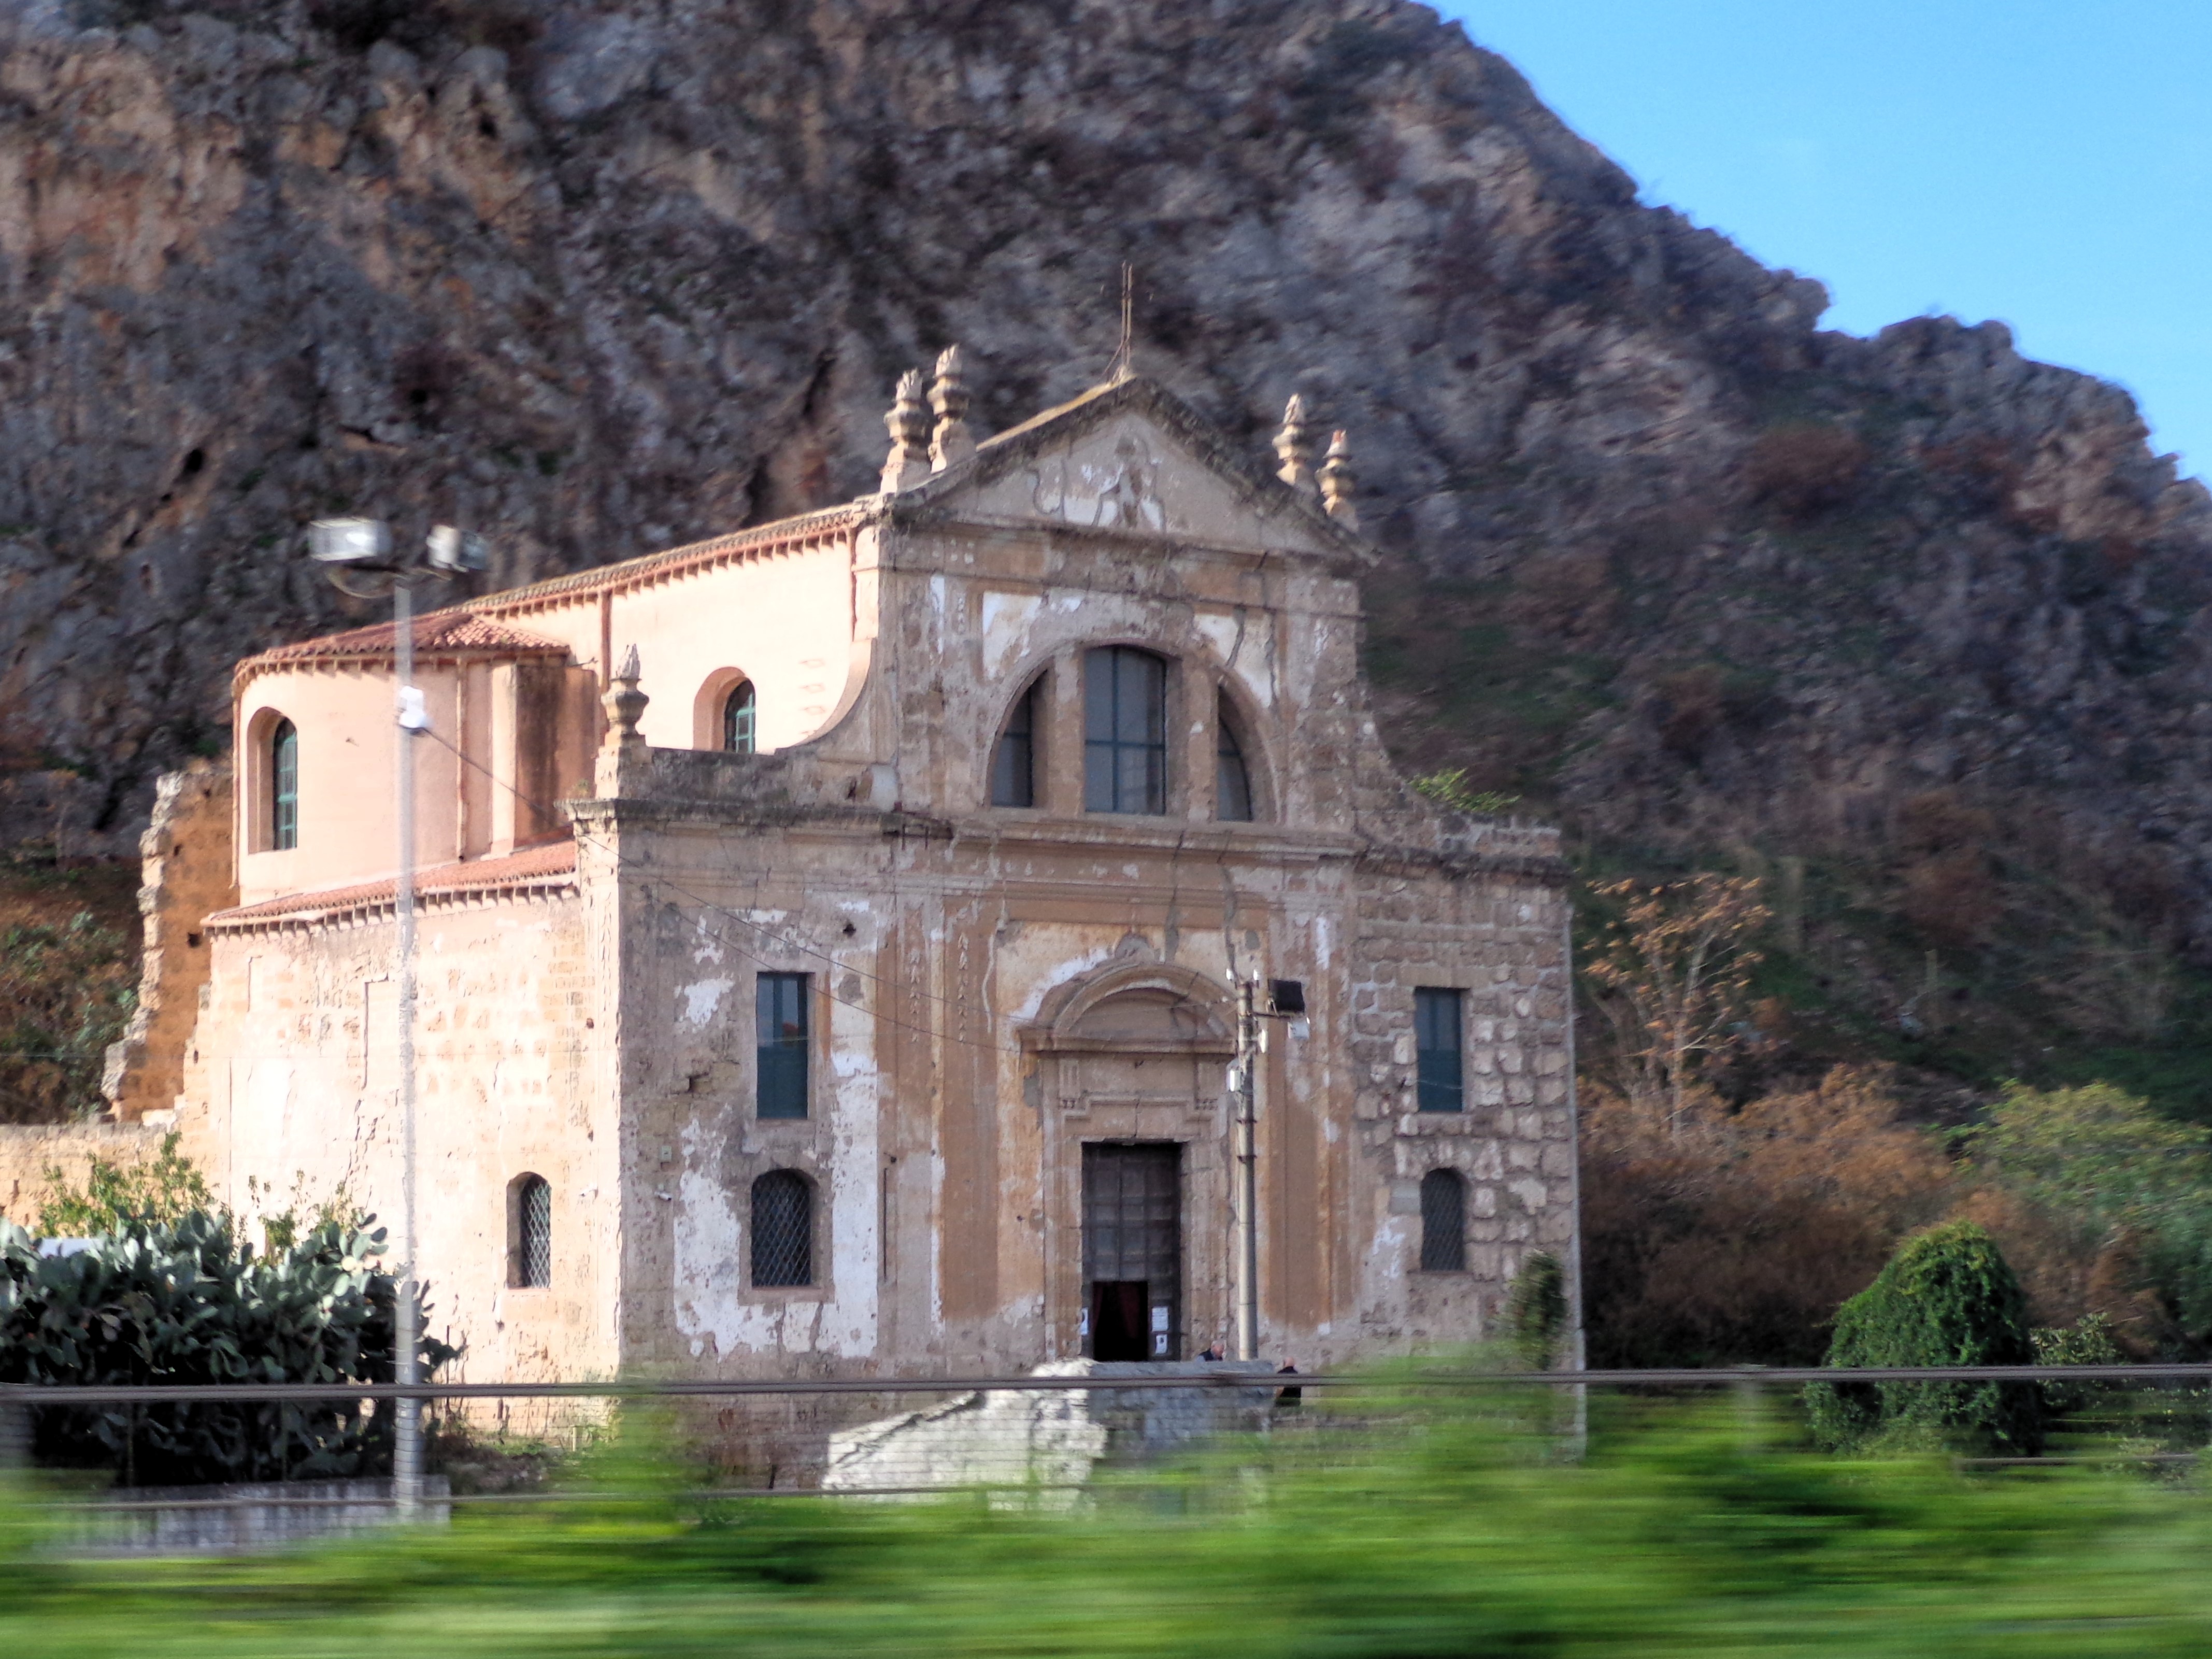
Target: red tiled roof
[
  {"x": 441, "y": 633},
  {"x": 533, "y": 866}
]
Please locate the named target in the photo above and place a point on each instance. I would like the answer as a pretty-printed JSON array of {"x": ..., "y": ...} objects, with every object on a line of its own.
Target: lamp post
[
  {"x": 1285, "y": 999},
  {"x": 357, "y": 553}
]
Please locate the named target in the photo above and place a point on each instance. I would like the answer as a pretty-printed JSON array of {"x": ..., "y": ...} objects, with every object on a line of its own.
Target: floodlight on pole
[
  {"x": 359, "y": 556},
  {"x": 348, "y": 541}
]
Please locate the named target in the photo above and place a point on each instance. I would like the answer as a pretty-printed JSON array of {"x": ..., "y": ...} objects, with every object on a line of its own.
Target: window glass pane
[
  {"x": 1437, "y": 1043},
  {"x": 284, "y": 787},
  {"x": 1232, "y": 782},
  {"x": 779, "y": 1007},
  {"x": 1013, "y": 764},
  {"x": 535, "y": 1241},
  {"x": 1125, "y": 758},
  {"x": 737, "y": 715},
  {"x": 783, "y": 1229},
  {"x": 1443, "y": 1223}
]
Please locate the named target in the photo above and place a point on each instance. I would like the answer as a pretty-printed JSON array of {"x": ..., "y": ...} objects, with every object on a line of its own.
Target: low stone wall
[
  {"x": 27, "y": 1153},
  {"x": 1050, "y": 1439},
  {"x": 224, "y": 1520}
]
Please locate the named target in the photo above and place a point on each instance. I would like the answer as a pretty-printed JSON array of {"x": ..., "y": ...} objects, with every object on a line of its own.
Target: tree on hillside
[
  {"x": 1947, "y": 1298},
  {"x": 1672, "y": 975},
  {"x": 2120, "y": 1199}
]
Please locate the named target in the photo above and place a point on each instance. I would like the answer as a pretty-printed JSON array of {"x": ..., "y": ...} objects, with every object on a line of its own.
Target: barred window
[
  {"x": 1441, "y": 1082},
  {"x": 1125, "y": 732},
  {"x": 284, "y": 787},
  {"x": 532, "y": 1232},
  {"x": 1443, "y": 1223},
  {"x": 1232, "y": 779},
  {"x": 738, "y": 710},
  {"x": 783, "y": 1229},
  {"x": 780, "y": 1013},
  {"x": 1013, "y": 762}
]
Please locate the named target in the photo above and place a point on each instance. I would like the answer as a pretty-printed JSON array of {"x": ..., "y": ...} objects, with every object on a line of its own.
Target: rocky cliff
[{"x": 1913, "y": 624}]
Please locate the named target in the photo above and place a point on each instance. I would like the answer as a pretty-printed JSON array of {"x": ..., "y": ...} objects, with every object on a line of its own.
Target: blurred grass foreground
[{"x": 1386, "y": 1525}]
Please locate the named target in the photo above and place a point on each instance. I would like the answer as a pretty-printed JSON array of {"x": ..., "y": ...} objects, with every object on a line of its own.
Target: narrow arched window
[
  {"x": 1443, "y": 1223},
  {"x": 783, "y": 1229},
  {"x": 1013, "y": 762},
  {"x": 1232, "y": 779},
  {"x": 531, "y": 1229},
  {"x": 1125, "y": 731},
  {"x": 283, "y": 786},
  {"x": 740, "y": 709}
]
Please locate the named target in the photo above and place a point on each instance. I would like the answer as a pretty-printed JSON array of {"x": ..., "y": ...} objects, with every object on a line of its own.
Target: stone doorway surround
[{"x": 1136, "y": 1051}]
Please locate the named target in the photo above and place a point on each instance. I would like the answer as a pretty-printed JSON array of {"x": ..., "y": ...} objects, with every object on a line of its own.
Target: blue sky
[{"x": 2046, "y": 163}]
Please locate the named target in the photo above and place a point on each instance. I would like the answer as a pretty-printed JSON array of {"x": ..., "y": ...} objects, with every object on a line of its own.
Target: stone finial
[
  {"x": 1290, "y": 447},
  {"x": 625, "y": 706},
  {"x": 1337, "y": 481},
  {"x": 948, "y": 395},
  {"x": 907, "y": 465}
]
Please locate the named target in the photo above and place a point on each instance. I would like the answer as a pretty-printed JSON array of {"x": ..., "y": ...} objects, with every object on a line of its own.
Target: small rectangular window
[
  {"x": 779, "y": 1003},
  {"x": 1443, "y": 1082}
]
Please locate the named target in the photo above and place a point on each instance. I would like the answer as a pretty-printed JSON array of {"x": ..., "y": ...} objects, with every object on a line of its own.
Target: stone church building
[{"x": 830, "y": 935}]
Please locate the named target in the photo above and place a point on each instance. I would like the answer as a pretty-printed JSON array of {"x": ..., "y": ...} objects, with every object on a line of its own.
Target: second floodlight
[{"x": 348, "y": 541}]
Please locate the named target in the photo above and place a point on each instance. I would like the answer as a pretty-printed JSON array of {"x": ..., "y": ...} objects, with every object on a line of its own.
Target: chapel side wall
[
  {"x": 348, "y": 809},
  {"x": 294, "y": 1092},
  {"x": 1498, "y": 936}
]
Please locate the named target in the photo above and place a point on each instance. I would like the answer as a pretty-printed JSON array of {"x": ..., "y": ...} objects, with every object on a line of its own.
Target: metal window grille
[
  {"x": 783, "y": 1229},
  {"x": 1232, "y": 780},
  {"x": 284, "y": 787},
  {"x": 1125, "y": 733},
  {"x": 1442, "y": 1080},
  {"x": 1443, "y": 1223},
  {"x": 1013, "y": 763},
  {"x": 779, "y": 1010},
  {"x": 738, "y": 712},
  {"x": 534, "y": 1233}
]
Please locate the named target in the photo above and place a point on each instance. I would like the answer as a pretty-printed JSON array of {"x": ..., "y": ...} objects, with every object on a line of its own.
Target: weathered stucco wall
[{"x": 294, "y": 1081}]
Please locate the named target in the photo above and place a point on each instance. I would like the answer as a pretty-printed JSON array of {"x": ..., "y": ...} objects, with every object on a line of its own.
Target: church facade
[{"x": 829, "y": 937}]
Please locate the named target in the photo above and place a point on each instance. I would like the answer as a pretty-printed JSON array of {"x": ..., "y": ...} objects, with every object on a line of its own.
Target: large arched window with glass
[
  {"x": 1232, "y": 776},
  {"x": 1125, "y": 731},
  {"x": 741, "y": 711},
  {"x": 283, "y": 785},
  {"x": 1013, "y": 761}
]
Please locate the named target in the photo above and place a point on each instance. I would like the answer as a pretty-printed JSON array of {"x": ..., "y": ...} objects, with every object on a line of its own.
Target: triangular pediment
[{"x": 1132, "y": 459}]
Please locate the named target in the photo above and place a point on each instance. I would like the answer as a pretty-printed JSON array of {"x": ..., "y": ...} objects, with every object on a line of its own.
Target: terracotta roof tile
[
  {"x": 441, "y": 633},
  {"x": 532, "y": 866}
]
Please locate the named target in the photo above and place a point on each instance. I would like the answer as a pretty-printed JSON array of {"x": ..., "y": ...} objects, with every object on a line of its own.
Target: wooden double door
[{"x": 1132, "y": 1249}]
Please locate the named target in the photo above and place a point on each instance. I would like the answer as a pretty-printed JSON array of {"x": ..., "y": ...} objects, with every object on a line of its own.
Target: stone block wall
[{"x": 27, "y": 1153}]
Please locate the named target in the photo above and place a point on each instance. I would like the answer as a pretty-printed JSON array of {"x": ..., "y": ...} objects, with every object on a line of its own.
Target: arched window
[
  {"x": 1125, "y": 731},
  {"x": 740, "y": 709},
  {"x": 1443, "y": 1223},
  {"x": 283, "y": 786},
  {"x": 530, "y": 1232},
  {"x": 783, "y": 1229},
  {"x": 1013, "y": 762},
  {"x": 1232, "y": 779}
]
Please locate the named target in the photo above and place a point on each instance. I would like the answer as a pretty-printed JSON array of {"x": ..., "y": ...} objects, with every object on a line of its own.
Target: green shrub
[
  {"x": 1536, "y": 1310},
  {"x": 1945, "y": 1298},
  {"x": 187, "y": 1301}
]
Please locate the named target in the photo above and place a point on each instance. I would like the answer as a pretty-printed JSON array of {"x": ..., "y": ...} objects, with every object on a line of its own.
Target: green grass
[{"x": 1438, "y": 1530}]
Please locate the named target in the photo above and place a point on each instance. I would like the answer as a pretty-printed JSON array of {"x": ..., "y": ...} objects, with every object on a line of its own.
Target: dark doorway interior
[{"x": 1133, "y": 1250}]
